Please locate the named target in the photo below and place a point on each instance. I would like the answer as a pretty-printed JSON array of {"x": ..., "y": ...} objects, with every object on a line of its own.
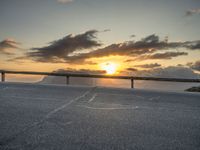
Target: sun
[{"x": 109, "y": 67}]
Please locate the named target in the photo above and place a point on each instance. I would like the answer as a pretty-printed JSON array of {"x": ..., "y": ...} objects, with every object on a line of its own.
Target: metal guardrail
[{"x": 68, "y": 75}]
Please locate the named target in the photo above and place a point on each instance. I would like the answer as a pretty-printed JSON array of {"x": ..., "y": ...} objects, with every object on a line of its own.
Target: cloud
[
  {"x": 121, "y": 49},
  {"x": 147, "y": 45},
  {"x": 174, "y": 72},
  {"x": 80, "y": 71},
  {"x": 129, "y": 60},
  {"x": 106, "y": 30},
  {"x": 192, "y": 12},
  {"x": 180, "y": 65},
  {"x": 60, "y": 49},
  {"x": 195, "y": 65},
  {"x": 149, "y": 66},
  {"x": 131, "y": 69},
  {"x": 70, "y": 48},
  {"x": 166, "y": 55},
  {"x": 8, "y": 46},
  {"x": 168, "y": 72},
  {"x": 132, "y": 36},
  {"x": 194, "y": 45},
  {"x": 64, "y": 1}
]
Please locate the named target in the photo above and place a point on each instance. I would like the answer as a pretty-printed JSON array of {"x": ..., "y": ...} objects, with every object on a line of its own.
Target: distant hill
[{"x": 73, "y": 80}]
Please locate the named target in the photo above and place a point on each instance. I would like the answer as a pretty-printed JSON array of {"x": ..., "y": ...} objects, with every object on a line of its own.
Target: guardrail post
[
  {"x": 132, "y": 83},
  {"x": 3, "y": 76},
  {"x": 67, "y": 79}
]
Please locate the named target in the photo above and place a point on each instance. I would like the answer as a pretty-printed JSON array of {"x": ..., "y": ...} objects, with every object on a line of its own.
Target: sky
[{"x": 132, "y": 35}]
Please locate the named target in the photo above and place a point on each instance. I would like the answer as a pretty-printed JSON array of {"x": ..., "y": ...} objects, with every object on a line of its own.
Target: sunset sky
[{"x": 132, "y": 35}]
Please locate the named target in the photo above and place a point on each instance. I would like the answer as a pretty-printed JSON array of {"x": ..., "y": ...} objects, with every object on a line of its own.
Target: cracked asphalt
[{"x": 52, "y": 117}]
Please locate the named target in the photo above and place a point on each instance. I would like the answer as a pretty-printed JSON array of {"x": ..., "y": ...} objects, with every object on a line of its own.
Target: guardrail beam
[{"x": 68, "y": 75}]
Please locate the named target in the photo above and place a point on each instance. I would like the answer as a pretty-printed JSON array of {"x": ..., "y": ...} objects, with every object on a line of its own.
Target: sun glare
[{"x": 110, "y": 68}]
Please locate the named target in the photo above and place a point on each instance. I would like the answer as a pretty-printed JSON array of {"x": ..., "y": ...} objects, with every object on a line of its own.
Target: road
[{"x": 50, "y": 117}]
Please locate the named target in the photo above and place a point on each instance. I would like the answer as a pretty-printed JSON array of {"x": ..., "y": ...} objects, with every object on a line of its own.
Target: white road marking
[
  {"x": 154, "y": 98},
  {"x": 67, "y": 104},
  {"x": 92, "y": 98},
  {"x": 108, "y": 108},
  {"x": 68, "y": 123},
  {"x": 6, "y": 141}
]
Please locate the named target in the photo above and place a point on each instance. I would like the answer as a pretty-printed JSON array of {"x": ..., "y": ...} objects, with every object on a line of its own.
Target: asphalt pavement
[{"x": 53, "y": 117}]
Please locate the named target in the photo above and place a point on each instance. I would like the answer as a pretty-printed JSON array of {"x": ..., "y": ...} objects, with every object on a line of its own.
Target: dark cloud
[
  {"x": 180, "y": 65},
  {"x": 69, "y": 49},
  {"x": 166, "y": 55},
  {"x": 131, "y": 69},
  {"x": 121, "y": 49},
  {"x": 80, "y": 71},
  {"x": 195, "y": 65},
  {"x": 107, "y": 30},
  {"x": 192, "y": 12},
  {"x": 130, "y": 48},
  {"x": 132, "y": 36},
  {"x": 149, "y": 66},
  {"x": 62, "y": 48},
  {"x": 147, "y": 45},
  {"x": 129, "y": 60},
  {"x": 8, "y": 46}
]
